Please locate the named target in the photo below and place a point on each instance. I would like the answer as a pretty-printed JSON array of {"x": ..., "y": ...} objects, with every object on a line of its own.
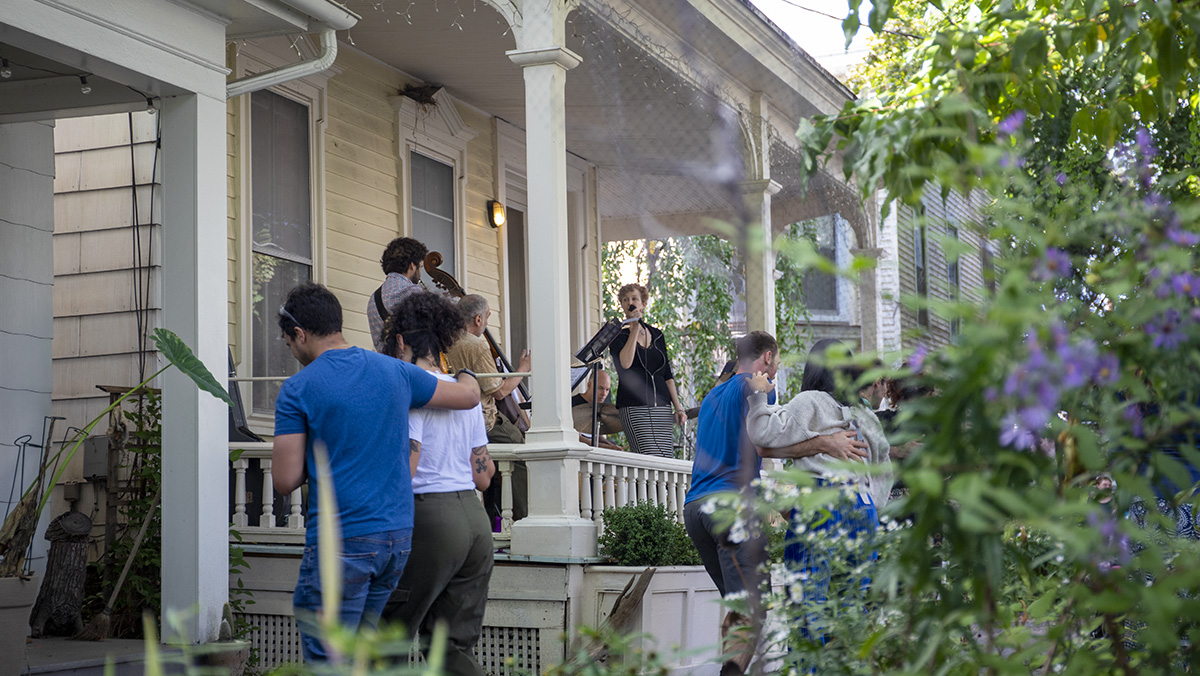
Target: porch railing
[{"x": 607, "y": 478}]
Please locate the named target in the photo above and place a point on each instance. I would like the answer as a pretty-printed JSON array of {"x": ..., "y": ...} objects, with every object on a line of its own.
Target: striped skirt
[{"x": 650, "y": 430}]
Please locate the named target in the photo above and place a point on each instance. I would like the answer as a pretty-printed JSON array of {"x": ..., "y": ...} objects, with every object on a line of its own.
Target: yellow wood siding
[{"x": 95, "y": 292}]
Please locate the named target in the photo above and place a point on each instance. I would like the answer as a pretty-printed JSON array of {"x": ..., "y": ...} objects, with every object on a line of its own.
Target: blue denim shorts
[{"x": 371, "y": 567}]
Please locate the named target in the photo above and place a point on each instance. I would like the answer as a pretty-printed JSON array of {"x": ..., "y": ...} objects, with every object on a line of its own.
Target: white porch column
[
  {"x": 554, "y": 526},
  {"x": 760, "y": 258},
  {"x": 26, "y": 295},
  {"x": 546, "y": 69},
  {"x": 195, "y": 475}
]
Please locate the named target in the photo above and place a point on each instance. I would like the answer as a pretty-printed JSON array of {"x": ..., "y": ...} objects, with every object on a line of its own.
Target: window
[
  {"x": 281, "y": 232},
  {"x": 920, "y": 257},
  {"x": 433, "y": 207},
  {"x": 953, "y": 282},
  {"x": 820, "y": 289}
]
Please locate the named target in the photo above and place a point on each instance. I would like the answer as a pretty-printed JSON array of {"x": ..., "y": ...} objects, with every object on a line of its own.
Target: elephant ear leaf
[{"x": 178, "y": 353}]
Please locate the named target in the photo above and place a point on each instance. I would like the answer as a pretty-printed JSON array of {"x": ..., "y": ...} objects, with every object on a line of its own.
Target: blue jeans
[{"x": 371, "y": 567}]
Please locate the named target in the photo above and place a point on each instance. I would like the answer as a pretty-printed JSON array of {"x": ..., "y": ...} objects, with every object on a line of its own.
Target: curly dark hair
[
  {"x": 400, "y": 254},
  {"x": 428, "y": 322},
  {"x": 311, "y": 307}
]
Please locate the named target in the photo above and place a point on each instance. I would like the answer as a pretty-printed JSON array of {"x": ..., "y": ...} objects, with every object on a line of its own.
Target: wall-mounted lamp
[{"x": 495, "y": 212}]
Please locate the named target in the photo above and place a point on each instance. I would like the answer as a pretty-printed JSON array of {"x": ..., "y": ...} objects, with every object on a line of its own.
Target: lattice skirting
[{"x": 502, "y": 651}]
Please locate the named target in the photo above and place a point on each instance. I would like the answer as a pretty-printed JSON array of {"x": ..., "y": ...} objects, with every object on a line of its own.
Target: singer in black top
[{"x": 647, "y": 400}]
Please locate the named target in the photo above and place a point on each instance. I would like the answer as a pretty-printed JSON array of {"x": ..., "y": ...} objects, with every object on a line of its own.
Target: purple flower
[
  {"x": 1014, "y": 434},
  {"x": 1133, "y": 414},
  {"x": 1145, "y": 143},
  {"x": 1034, "y": 417},
  {"x": 1060, "y": 179},
  {"x": 1011, "y": 124},
  {"x": 1166, "y": 330},
  {"x": 1195, "y": 315},
  {"x": 1163, "y": 290},
  {"x": 1186, "y": 285},
  {"x": 1156, "y": 202},
  {"x": 1108, "y": 370},
  {"x": 1182, "y": 237},
  {"x": 916, "y": 361},
  {"x": 1055, "y": 265},
  {"x": 1016, "y": 381}
]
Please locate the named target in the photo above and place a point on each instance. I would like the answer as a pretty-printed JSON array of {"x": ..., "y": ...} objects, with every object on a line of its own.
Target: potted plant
[{"x": 18, "y": 588}]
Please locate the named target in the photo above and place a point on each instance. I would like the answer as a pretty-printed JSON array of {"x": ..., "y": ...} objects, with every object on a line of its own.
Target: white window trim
[
  {"x": 311, "y": 91},
  {"x": 844, "y": 288},
  {"x": 436, "y": 131}
]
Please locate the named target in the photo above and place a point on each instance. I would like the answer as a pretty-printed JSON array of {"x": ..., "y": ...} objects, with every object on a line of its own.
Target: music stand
[{"x": 590, "y": 355}]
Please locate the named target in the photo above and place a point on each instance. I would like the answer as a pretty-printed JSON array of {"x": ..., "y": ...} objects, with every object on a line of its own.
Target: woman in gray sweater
[{"x": 823, "y": 407}]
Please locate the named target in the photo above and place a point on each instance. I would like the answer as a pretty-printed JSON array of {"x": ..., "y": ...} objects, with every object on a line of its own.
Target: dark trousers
[
  {"x": 505, "y": 432},
  {"x": 447, "y": 576}
]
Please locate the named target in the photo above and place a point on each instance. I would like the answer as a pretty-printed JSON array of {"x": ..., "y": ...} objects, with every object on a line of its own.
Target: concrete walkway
[{"x": 53, "y": 656}]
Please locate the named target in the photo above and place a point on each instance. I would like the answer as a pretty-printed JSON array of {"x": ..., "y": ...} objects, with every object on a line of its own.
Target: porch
[{"x": 536, "y": 601}]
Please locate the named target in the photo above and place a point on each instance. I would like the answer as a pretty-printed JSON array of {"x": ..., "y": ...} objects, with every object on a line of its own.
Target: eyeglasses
[{"x": 284, "y": 313}]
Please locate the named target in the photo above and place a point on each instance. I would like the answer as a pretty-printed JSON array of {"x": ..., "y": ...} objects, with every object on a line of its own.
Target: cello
[{"x": 510, "y": 407}]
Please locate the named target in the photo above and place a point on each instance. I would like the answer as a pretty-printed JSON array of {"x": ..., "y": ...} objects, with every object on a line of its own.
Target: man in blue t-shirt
[
  {"x": 726, "y": 462},
  {"x": 353, "y": 404}
]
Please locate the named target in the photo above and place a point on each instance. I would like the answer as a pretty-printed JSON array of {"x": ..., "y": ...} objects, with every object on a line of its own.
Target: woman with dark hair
[
  {"x": 451, "y": 561},
  {"x": 830, "y": 401},
  {"x": 647, "y": 400}
]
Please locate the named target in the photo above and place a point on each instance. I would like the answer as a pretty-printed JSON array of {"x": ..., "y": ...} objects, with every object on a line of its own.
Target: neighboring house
[{"x": 914, "y": 265}]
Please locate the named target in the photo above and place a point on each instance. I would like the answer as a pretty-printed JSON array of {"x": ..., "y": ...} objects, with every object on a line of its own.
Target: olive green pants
[{"x": 447, "y": 576}]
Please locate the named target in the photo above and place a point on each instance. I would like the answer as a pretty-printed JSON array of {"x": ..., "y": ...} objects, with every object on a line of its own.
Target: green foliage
[
  {"x": 642, "y": 534},
  {"x": 1077, "y": 118},
  {"x": 142, "y": 592},
  {"x": 606, "y": 652},
  {"x": 181, "y": 357}
]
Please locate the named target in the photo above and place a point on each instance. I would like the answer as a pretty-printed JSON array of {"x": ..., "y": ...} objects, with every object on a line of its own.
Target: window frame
[
  {"x": 310, "y": 92},
  {"x": 438, "y": 132},
  {"x": 954, "y": 280},
  {"x": 921, "y": 271}
]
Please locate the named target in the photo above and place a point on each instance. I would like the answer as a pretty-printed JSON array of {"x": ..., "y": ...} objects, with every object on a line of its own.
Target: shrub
[{"x": 641, "y": 534}]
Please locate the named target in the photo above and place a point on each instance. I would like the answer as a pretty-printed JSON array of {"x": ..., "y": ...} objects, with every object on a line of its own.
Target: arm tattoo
[
  {"x": 414, "y": 446},
  {"x": 481, "y": 459}
]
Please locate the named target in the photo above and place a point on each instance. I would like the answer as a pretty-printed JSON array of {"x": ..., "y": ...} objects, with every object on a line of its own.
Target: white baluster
[
  {"x": 660, "y": 487},
  {"x": 681, "y": 487},
  {"x": 621, "y": 478},
  {"x": 267, "y": 520},
  {"x": 239, "y": 491},
  {"x": 506, "y": 497},
  {"x": 640, "y": 474},
  {"x": 295, "y": 519},
  {"x": 585, "y": 489},
  {"x": 610, "y": 486},
  {"x": 598, "y": 476}
]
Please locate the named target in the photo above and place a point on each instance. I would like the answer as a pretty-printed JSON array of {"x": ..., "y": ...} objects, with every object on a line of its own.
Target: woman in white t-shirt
[{"x": 451, "y": 561}]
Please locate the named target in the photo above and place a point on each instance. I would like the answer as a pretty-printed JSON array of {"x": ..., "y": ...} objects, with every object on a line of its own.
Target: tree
[{"x": 1078, "y": 118}]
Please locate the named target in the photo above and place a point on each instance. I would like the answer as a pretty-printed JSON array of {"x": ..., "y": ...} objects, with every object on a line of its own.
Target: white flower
[{"x": 709, "y": 507}]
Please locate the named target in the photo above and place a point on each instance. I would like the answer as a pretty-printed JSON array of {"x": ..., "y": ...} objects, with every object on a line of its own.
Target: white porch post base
[
  {"x": 573, "y": 537},
  {"x": 554, "y": 526}
]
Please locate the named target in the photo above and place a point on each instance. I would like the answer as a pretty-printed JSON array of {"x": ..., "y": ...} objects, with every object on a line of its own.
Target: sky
[{"x": 821, "y": 36}]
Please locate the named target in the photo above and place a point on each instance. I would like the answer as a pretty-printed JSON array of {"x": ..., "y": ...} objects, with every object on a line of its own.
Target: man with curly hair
[{"x": 401, "y": 263}]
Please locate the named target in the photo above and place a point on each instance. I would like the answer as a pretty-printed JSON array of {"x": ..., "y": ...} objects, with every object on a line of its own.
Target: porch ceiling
[{"x": 651, "y": 105}]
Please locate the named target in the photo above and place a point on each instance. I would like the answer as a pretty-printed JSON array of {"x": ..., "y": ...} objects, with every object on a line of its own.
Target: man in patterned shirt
[{"x": 402, "y": 264}]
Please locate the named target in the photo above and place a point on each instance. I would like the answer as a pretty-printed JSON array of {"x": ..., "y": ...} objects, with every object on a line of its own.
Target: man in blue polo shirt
[
  {"x": 355, "y": 404},
  {"x": 726, "y": 462}
]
